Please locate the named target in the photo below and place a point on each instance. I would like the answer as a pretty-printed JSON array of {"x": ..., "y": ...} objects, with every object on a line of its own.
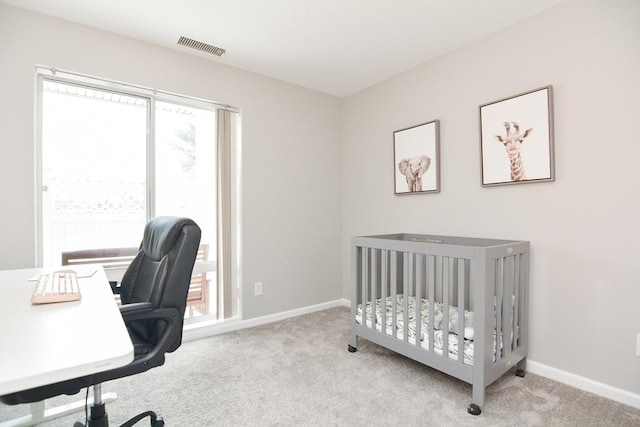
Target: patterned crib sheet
[{"x": 438, "y": 317}]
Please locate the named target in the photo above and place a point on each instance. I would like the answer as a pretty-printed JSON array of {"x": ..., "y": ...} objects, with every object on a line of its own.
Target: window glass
[
  {"x": 93, "y": 169},
  {"x": 185, "y": 166}
]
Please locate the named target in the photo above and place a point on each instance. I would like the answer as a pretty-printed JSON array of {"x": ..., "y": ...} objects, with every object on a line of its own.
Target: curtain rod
[{"x": 54, "y": 71}]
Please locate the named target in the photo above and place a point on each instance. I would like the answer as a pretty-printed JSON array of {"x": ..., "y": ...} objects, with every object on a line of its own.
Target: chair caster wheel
[
  {"x": 474, "y": 409},
  {"x": 159, "y": 422},
  {"x": 520, "y": 373},
  {"x": 352, "y": 349}
]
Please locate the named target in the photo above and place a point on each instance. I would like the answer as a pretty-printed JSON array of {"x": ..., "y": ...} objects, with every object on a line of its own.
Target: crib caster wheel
[
  {"x": 474, "y": 409},
  {"x": 520, "y": 373},
  {"x": 352, "y": 349}
]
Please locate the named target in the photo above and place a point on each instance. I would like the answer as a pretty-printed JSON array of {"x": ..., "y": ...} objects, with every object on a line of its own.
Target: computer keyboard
[{"x": 59, "y": 286}]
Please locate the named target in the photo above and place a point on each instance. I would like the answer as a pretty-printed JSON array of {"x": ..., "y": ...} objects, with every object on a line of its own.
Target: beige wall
[
  {"x": 584, "y": 228},
  {"x": 298, "y": 179},
  {"x": 291, "y": 152}
]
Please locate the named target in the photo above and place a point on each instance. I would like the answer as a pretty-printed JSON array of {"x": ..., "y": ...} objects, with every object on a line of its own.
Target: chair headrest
[{"x": 160, "y": 235}]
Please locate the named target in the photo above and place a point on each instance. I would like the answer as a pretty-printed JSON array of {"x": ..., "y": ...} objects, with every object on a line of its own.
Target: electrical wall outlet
[
  {"x": 638, "y": 344},
  {"x": 257, "y": 288}
]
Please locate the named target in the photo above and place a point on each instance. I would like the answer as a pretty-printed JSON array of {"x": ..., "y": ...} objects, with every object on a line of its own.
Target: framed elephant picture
[{"x": 417, "y": 159}]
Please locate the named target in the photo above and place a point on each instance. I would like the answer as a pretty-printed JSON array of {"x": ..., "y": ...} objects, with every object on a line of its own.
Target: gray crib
[{"x": 470, "y": 295}]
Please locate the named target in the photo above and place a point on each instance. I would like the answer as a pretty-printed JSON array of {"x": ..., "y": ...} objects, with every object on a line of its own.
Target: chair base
[
  {"x": 156, "y": 421},
  {"x": 99, "y": 418}
]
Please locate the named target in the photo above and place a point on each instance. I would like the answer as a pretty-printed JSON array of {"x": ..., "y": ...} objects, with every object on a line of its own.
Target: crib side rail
[{"x": 388, "y": 285}]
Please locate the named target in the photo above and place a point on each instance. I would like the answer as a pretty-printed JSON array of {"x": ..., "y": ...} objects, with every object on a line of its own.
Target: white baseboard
[
  {"x": 583, "y": 383},
  {"x": 193, "y": 332}
]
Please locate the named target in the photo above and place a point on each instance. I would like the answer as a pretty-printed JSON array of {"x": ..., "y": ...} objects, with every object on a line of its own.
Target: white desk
[{"x": 44, "y": 344}]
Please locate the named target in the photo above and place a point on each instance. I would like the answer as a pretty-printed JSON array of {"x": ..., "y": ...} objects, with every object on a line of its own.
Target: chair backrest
[{"x": 161, "y": 271}]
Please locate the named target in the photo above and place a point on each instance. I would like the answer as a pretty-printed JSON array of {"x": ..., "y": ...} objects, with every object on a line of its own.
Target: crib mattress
[{"x": 438, "y": 333}]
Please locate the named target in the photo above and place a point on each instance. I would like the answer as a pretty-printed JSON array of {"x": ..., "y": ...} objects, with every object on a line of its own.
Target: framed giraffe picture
[
  {"x": 417, "y": 159},
  {"x": 516, "y": 139}
]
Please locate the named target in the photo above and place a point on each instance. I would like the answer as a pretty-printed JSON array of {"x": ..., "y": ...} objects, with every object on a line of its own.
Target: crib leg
[
  {"x": 477, "y": 395},
  {"x": 521, "y": 368},
  {"x": 353, "y": 344},
  {"x": 474, "y": 409}
]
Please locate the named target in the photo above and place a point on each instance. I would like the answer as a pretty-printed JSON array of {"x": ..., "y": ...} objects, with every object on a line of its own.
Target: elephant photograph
[
  {"x": 416, "y": 159},
  {"x": 413, "y": 169}
]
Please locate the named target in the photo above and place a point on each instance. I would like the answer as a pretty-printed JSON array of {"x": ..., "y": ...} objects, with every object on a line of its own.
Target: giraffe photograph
[
  {"x": 417, "y": 159},
  {"x": 516, "y": 139}
]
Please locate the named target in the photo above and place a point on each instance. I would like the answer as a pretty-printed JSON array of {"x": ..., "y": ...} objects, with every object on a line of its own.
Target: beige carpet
[{"x": 298, "y": 372}]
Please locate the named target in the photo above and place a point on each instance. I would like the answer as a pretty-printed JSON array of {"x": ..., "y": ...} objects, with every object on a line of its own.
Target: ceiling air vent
[{"x": 204, "y": 47}]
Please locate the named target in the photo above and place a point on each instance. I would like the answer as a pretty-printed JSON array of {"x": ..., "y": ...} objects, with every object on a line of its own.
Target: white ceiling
[{"x": 338, "y": 47}]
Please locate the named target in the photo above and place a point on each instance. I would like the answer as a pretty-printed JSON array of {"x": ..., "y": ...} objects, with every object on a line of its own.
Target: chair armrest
[
  {"x": 139, "y": 308},
  {"x": 172, "y": 332},
  {"x": 145, "y": 311}
]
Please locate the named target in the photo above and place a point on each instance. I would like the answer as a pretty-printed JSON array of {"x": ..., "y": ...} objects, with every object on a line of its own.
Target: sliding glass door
[{"x": 110, "y": 160}]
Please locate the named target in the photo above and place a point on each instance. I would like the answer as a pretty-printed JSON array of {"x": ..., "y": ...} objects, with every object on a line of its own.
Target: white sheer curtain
[{"x": 226, "y": 121}]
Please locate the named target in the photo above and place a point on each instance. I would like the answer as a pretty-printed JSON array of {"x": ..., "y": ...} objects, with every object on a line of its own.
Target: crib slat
[
  {"x": 418, "y": 316},
  {"x": 461, "y": 306},
  {"x": 507, "y": 304},
  {"x": 516, "y": 303},
  {"x": 383, "y": 285},
  {"x": 447, "y": 273},
  {"x": 394, "y": 293},
  {"x": 406, "y": 276},
  {"x": 499, "y": 308},
  {"x": 368, "y": 285},
  {"x": 431, "y": 296},
  {"x": 373, "y": 283},
  {"x": 363, "y": 284}
]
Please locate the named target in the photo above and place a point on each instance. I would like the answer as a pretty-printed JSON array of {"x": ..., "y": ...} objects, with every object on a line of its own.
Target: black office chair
[{"x": 154, "y": 298}]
